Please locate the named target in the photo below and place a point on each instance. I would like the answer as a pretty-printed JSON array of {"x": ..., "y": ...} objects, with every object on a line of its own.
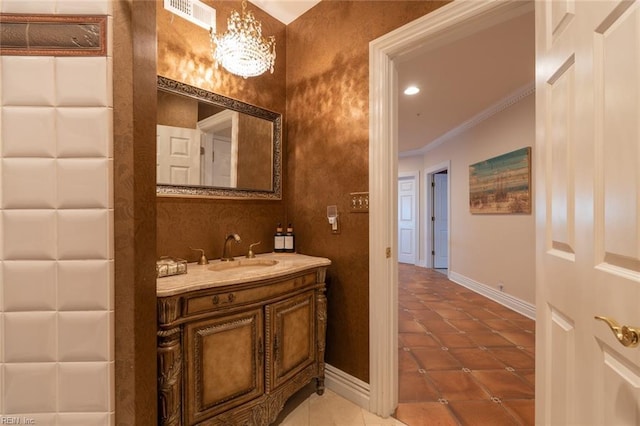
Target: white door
[
  {"x": 216, "y": 161},
  {"x": 407, "y": 193},
  {"x": 588, "y": 211},
  {"x": 178, "y": 155},
  {"x": 440, "y": 221},
  {"x": 222, "y": 163}
]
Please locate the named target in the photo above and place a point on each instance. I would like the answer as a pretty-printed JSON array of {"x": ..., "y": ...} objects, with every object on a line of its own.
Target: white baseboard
[
  {"x": 511, "y": 302},
  {"x": 347, "y": 386}
]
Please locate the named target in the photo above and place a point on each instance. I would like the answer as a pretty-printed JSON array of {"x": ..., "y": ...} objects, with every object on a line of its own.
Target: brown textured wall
[
  {"x": 253, "y": 171},
  {"x": 184, "y": 54},
  {"x": 177, "y": 111},
  {"x": 327, "y": 148}
]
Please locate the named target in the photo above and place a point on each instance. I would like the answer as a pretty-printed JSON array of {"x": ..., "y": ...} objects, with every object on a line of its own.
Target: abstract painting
[{"x": 501, "y": 184}]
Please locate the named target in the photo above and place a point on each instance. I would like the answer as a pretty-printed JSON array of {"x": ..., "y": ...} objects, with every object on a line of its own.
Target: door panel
[
  {"x": 178, "y": 155},
  {"x": 588, "y": 233},
  {"x": 617, "y": 41},
  {"x": 292, "y": 344},
  {"x": 224, "y": 363},
  {"x": 561, "y": 360},
  {"x": 621, "y": 379},
  {"x": 561, "y": 165}
]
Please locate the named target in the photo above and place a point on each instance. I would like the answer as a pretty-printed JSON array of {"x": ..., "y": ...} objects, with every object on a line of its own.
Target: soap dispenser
[
  {"x": 278, "y": 240},
  {"x": 289, "y": 240}
]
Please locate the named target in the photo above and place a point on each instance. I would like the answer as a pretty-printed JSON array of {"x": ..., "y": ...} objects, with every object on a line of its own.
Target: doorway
[
  {"x": 449, "y": 20},
  {"x": 437, "y": 216},
  {"x": 439, "y": 220}
]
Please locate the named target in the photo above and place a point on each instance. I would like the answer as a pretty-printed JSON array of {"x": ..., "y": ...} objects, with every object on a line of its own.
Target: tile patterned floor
[{"x": 463, "y": 359}]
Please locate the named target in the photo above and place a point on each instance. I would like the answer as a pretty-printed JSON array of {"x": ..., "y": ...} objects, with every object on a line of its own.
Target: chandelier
[{"x": 242, "y": 50}]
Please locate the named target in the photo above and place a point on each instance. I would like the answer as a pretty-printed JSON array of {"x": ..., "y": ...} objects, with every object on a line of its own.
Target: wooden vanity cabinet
[{"x": 237, "y": 362}]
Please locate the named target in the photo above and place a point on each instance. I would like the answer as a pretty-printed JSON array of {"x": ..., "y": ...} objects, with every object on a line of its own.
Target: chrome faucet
[{"x": 226, "y": 256}]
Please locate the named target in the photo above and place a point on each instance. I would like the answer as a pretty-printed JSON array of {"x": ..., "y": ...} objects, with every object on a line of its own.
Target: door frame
[
  {"x": 450, "y": 22},
  {"x": 428, "y": 209}
]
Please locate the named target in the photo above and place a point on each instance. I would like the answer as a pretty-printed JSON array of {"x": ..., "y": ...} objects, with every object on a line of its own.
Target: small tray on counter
[{"x": 168, "y": 266}]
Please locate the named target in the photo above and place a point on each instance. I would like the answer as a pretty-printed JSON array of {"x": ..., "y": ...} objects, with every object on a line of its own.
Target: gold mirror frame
[{"x": 172, "y": 86}]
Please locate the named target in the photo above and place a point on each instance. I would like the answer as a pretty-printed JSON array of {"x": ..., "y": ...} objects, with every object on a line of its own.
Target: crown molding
[{"x": 497, "y": 107}]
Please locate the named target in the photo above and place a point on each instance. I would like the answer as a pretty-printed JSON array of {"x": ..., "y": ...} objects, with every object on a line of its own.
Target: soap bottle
[
  {"x": 278, "y": 240},
  {"x": 289, "y": 240}
]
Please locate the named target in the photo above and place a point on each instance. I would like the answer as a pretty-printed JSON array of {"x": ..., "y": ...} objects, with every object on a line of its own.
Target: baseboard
[
  {"x": 511, "y": 302},
  {"x": 347, "y": 386}
]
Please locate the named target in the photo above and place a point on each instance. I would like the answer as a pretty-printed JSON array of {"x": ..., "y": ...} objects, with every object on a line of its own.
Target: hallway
[{"x": 463, "y": 359}]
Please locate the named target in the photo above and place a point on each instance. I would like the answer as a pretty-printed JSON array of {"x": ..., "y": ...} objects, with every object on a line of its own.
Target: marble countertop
[{"x": 200, "y": 277}]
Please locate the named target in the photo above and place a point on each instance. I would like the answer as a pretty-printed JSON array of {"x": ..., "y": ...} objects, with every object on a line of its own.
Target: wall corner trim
[
  {"x": 507, "y": 300},
  {"x": 347, "y": 386}
]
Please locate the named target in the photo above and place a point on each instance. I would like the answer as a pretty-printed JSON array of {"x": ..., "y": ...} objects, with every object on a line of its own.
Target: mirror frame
[{"x": 162, "y": 190}]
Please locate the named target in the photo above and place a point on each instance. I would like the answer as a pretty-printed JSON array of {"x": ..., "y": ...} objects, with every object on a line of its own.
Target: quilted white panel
[{"x": 56, "y": 231}]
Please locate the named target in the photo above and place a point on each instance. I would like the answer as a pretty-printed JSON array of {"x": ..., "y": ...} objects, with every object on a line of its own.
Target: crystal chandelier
[{"x": 242, "y": 50}]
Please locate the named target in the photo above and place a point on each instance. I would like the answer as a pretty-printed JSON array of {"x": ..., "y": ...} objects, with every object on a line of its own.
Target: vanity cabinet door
[
  {"x": 291, "y": 338},
  {"x": 224, "y": 363}
]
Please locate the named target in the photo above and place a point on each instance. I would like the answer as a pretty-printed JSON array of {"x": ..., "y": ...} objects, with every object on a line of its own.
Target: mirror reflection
[{"x": 211, "y": 145}]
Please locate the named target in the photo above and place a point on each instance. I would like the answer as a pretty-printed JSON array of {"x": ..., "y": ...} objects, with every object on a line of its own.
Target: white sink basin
[{"x": 243, "y": 264}]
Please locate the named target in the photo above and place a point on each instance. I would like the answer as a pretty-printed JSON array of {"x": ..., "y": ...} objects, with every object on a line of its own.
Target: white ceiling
[
  {"x": 285, "y": 11},
  {"x": 459, "y": 78},
  {"x": 464, "y": 78}
]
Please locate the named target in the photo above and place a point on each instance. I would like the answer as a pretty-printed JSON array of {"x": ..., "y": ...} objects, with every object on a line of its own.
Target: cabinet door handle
[
  {"x": 275, "y": 348},
  {"x": 230, "y": 298}
]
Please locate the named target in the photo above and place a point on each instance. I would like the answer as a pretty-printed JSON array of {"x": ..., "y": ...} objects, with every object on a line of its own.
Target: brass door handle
[{"x": 628, "y": 336}]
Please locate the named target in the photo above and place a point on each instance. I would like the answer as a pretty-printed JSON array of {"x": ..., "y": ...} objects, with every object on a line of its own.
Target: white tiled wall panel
[
  {"x": 56, "y": 232},
  {"x": 21, "y": 138}
]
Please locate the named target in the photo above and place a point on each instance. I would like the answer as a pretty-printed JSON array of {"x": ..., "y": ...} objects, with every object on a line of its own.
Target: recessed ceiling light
[{"x": 411, "y": 90}]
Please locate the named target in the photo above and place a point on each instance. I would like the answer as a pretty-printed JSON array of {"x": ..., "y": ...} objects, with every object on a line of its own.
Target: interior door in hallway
[
  {"x": 407, "y": 218},
  {"x": 440, "y": 220},
  {"x": 588, "y": 211}
]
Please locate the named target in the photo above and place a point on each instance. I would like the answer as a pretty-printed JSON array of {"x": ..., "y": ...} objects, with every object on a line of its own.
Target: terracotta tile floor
[{"x": 463, "y": 359}]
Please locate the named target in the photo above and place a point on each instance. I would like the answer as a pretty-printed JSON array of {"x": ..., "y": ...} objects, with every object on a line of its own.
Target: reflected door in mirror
[{"x": 178, "y": 155}]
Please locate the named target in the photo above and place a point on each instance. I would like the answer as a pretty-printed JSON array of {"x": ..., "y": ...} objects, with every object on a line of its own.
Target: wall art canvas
[{"x": 501, "y": 185}]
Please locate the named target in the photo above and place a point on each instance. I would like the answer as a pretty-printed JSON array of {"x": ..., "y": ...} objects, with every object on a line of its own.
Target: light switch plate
[{"x": 359, "y": 202}]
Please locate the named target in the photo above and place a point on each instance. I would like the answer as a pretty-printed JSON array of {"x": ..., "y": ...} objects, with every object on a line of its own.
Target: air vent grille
[{"x": 193, "y": 11}]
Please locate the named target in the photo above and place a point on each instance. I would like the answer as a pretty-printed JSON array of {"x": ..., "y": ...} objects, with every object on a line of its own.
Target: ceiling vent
[{"x": 193, "y": 11}]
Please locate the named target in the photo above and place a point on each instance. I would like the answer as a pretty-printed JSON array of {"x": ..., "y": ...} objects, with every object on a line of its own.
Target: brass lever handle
[
  {"x": 628, "y": 336},
  {"x": 203, "y": 259},
  {"x": 251, "y": 255}
]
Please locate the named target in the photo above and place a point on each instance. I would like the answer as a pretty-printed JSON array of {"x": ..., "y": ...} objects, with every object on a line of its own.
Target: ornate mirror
[{"x": 213, "y": 146}]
